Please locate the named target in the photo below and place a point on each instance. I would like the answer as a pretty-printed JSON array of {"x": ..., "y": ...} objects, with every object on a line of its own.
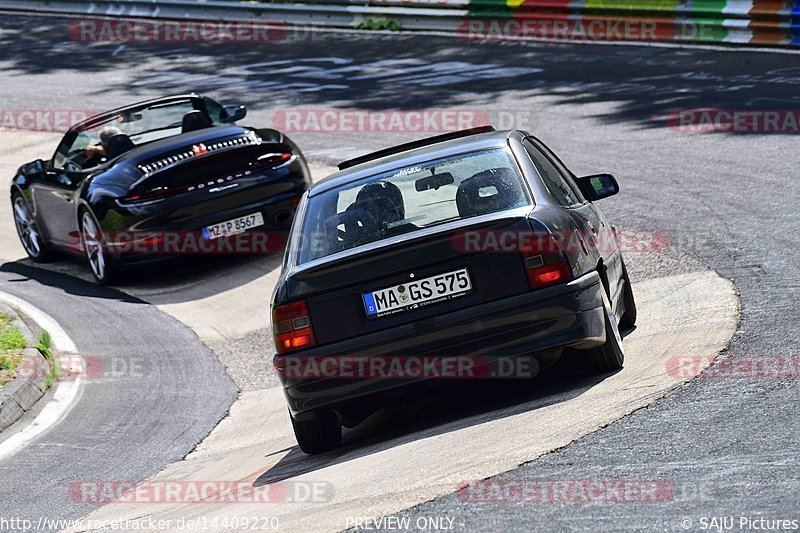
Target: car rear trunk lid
[{"x": 336, "y": 289}]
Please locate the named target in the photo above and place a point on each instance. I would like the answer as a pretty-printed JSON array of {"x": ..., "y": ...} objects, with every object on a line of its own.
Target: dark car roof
[{"x": 478, "y": 141}]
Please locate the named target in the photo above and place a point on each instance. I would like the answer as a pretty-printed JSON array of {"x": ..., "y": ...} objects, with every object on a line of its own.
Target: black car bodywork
[
  {"x": 319, "y": 307},
  {"x": 199, "y": 170}
]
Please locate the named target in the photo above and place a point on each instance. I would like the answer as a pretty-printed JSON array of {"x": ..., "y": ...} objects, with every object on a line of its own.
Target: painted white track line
[{"x": 68, "y": 392}]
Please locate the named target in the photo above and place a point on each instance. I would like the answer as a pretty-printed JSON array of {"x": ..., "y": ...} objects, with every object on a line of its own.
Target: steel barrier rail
[
  {"x": 762, "y": 22},
  {"x": 756, "y": 22},
  {"x": 327, "y": 14}
]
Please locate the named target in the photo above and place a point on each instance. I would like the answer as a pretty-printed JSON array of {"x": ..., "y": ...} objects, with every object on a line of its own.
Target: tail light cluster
[
  {"x": 291, "y": 327},
  {"x": 273, "y": 159},
  {"x": 547, "y": 265}
]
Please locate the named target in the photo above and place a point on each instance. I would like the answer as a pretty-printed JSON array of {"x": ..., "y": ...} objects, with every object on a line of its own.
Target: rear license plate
[
  {"x": 234, "y": 226},
  {"x": 415, "y": 294}
]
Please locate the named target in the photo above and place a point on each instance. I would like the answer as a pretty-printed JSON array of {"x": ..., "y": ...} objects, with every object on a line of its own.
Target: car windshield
[
  {"x": 408, "y": 199},
  {"x": 89, "y": 147}
]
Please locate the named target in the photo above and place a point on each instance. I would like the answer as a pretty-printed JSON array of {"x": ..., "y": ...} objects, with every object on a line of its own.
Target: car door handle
[
  {"x": 63, "y": 180},
  {"x": 591, "y": 227}
]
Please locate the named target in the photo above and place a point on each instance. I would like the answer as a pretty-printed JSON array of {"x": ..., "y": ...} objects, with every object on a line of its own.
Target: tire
[
  {"x": 628, "y": 320},
  {"x": 28, "y": 231},
  {"x": 610, "y": 356},
  {"x": 317, "y": 433},
  {"x": 96, "y": 250}
]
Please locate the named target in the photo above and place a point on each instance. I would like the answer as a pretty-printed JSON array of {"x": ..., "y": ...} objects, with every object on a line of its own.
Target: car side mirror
[
  {"x": 34, "y": 168},
  {"x": 598, "y": 186},
  {"x": 235, "y": 113}
]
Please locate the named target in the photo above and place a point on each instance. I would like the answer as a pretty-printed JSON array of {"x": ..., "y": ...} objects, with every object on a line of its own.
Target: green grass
[
  {"x": 11, "y": 340},
  {"x": 11, "y": 345},
  {"x": 381, "y": 24},
  {"x": 45, "y": 344},
  {"x": 52, "y": 374}
]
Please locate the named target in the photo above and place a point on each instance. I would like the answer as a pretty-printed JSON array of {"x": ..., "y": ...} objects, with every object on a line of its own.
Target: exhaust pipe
[{"x": 283, "y": 217}]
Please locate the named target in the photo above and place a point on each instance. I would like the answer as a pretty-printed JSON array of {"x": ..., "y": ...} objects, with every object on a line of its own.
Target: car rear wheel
[
  {"x": 629, "y": 318},
  {"x": 96, "y": 249},
  {"x": 610, "y": 356},
  {"x": 28, "y": 231},
  {"x": 318, "y": 432}
]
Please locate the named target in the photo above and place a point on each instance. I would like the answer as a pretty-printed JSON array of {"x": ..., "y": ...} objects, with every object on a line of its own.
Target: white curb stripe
[{"x": 67, "y": 393}]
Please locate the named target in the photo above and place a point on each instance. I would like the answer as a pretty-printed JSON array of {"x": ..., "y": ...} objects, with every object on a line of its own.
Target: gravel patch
[{"x": 248, "y": 360}]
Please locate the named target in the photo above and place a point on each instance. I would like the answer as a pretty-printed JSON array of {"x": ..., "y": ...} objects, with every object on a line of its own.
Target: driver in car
[{"x": 96, "y": 154}]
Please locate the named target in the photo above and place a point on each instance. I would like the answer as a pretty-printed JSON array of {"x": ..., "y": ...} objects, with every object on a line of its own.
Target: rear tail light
[
  {"x": 274, "y": 159},
  {"x": 291, "y": 326},
  {"x": 546, "y": 265},
  {"x": 149, "y": 195}
]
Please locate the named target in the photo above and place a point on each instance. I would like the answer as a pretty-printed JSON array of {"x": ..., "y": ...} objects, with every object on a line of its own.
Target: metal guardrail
[
  {"x": 327, "y": 14},
  {"x": 767, "y": 22}
]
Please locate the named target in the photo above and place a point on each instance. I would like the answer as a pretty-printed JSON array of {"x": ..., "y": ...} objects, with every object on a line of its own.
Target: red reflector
[
  {"x": 199, "y": 149},
  {"x": 152, "y": 241},
  {"x": 291, "y": 327},
  {"x": 272, "y": 160},
  {"x": 549, "y": 275},
  {"x": 294, "y": 340},
  {"x": 161, "y": 191}
]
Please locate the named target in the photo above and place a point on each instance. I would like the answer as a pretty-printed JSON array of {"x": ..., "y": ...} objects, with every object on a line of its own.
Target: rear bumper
[
  {"x": 530, "y": 324},
  {"x": 136, "y": 247}
]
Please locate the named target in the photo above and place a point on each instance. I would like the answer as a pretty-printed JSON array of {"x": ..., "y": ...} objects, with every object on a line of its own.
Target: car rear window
[{"x": 409, "y": 199}]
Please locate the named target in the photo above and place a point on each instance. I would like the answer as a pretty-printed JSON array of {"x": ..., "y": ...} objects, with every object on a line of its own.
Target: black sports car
[
  {"x": 157, "y": 179},
  {"x": 437, "y": 257}
]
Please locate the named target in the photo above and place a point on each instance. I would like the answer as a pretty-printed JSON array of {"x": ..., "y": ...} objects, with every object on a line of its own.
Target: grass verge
[{"x": 12, "y": 342}]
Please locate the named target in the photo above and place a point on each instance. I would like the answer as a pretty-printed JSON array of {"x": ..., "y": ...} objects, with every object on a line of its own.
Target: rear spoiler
[{"x": 414, "y": 144}]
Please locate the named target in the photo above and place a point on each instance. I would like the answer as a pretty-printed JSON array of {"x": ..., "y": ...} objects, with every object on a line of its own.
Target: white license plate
[
  {"x": 234, "y": 226},
  {"x": 417, "y": 293}
]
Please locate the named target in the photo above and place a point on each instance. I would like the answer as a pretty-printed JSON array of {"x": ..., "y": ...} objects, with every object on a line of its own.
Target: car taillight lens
[
  {"x": 291, "y": 327},
  {"x": 547, "y": 266},
  {"x": 273, "y": 159}
]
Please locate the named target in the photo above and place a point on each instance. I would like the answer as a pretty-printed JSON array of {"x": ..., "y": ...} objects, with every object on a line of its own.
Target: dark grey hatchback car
[{"x": 439, "y": 259}]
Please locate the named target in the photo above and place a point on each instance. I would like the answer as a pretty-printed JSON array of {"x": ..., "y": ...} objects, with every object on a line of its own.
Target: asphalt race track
[
  {"x": 728, "y": 202},
  {"x": 427, "y": 453},
  {"x": 149, "y": 363}
]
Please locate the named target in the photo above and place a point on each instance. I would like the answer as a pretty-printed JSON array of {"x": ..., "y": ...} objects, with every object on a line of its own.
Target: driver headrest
[
  {"x": 195, "y": 120},
  {"x": 118, "y": 145},
  {"x": 383, "y": 196}
]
